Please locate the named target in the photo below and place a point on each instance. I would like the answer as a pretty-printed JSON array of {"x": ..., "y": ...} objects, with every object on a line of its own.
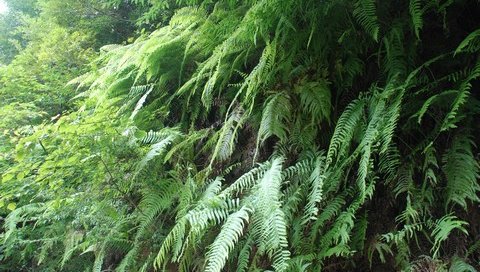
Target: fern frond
[
  {"x": 99, "y": 260},
  {"x": 269, "y": 220},
  {"x": 459, "y": 265},
  {"x": 244, "y": 255},
  {"x": 407, "y": 232},
  {"x": 451, "y": 119},
  {"x": 154, "y": 202},
  {"x": 274, "y": 117},
  {"x": 443, "y": 227},
  {"x": 344, "y": 130},
  {"x": 176, "y": 234},
  {"x": 420, "y": 113},
  {"x": 140, "y": 103},
  {"x": 316, "y": 191},
  {"x": 71, "y": 243},
  {"x": 19, "y": 215},
  {"x": 228, "y": 136},
  {"x": 229, "y": 235},
  {"x": 381, "y": 248},
  {"x": 470, "y": 44},
  {"x": 315, "y": 100},
  {"x": 365, "y": 13},
  {"x": 416, "y": 13},
  {"x": 328, "y": 212},
  {"x": 301, "y": 169},
  {"x": 246, "y": 181},
  {"x": 462, "y": 172},
  {"x": 155, "y": 150}
]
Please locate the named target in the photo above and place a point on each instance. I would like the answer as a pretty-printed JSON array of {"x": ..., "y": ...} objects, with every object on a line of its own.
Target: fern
[
  {"x": 141, "y": 101},
  {"x": 416, "y": 13},
  {"x": 154, "y": 202},
  {"x": 459, "y": 265},
  {"x": 269, "y": 219},
  {"x": 227, "y": 137},
  {"x": 462, "y": 172},
  {"x": 365, "y": 13},
  {"x": 443, "y": 227},
  {"x": 244, "y": 255},
  {"x": 451, "y": 118},
  {"x": 274, "y": 118},
  {"x": 470, "y": 44},
  {"x": 344, "y": 130},
  {"x": 348, "y": 132},
  {"x": 155, "y": 150},
  {"x": 381, "y": 248},
  {"x": 316, "y": 190},
  {"x": 429, "y": 102},
  {"x": 246, "y": 181},
  {"x": 176, "y": 234},
  {"x": 231, "y": 231},
  {"x": 71, "y": 244},
  {"x": 315, "y": 100}
]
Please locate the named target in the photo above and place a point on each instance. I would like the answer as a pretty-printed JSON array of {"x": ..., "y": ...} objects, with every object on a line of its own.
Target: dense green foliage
[{"x": 259, "y": 135}]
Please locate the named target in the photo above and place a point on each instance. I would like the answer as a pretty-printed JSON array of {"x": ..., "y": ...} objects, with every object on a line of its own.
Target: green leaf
[{"x": 11, "y": 206}]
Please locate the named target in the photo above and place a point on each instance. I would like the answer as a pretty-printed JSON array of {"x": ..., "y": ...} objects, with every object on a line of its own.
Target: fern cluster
[{"x": 263, "y": 135}]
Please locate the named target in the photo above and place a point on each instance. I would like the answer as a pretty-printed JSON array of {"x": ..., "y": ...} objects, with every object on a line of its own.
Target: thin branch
[{"x": 117, "y": 187}]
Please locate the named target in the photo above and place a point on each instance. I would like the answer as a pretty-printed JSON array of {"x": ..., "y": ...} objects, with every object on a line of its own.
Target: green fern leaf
[
  {"x": 274, "y": 117},
  {"x": 462, "y": 172},
  {"x": 443, "y": 227},
  {"x": 416, "y": 13},
  {"x": 315, "y": 100},
  {"x": 229, "y": 235},
  {"x": 365, "y": 13}
]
